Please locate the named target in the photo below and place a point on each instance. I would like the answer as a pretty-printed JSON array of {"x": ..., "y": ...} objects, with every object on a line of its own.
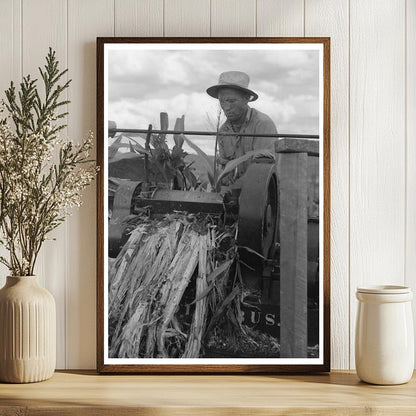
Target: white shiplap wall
[{"x": 373, "y": 132}]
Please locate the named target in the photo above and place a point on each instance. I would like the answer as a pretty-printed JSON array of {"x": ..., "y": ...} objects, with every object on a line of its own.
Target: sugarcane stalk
[
  {"x": 216, "y": 145},
  {"x": 151, "y": 273},
  {"x": 179, "y": 278},
  {"x": 193, "y": 346},
  {"x": 145, "y": 283},
  {"x": 137, "y": 269},
  {"x": 146, "y": 157}
]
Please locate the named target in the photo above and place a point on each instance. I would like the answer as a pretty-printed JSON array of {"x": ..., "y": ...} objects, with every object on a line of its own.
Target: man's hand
[
  {"x": 222, "y": 161},
  {"x": 264, "y": 154}
]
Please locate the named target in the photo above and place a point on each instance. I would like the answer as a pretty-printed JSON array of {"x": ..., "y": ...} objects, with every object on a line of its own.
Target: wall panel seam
[
  {"x": 349, "y": 185},
  {"x": 405, "y": 145},
  {"x": 304, "y": 17},
  {"x": 210, "y": 18},
  {"x": 13, "y": 30},
  {"x": 66, "y": 222},
  {"x": 163, "y": 18},
  {"x": 21, "y": 40}
]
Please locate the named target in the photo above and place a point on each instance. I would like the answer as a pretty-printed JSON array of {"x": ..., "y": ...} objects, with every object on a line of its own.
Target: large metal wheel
[
  {"x": 258, "y": 213},
  {"x": 121, "y": 208}
]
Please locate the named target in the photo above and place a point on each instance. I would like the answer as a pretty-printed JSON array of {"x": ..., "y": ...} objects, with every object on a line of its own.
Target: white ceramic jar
[{"x": 384, "y": 338}]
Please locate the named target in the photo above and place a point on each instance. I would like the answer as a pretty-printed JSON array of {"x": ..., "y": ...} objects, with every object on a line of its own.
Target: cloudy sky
[{"x": 142, "y": 83}]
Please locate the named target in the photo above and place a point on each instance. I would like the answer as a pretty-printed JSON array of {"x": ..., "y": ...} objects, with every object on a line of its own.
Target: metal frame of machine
[{"x": 265, "y": 183}]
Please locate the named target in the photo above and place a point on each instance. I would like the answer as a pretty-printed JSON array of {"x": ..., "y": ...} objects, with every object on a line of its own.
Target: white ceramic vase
[
  {"x": 27, "y": 331},
  {"x": 384, "y": 341}
]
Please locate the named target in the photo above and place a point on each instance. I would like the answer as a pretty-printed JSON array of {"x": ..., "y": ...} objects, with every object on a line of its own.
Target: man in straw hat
[{"x": 234, "y": 95}]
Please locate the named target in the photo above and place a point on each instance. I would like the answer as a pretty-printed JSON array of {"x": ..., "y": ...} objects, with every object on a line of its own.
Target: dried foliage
[
  {"x": 166, "y": 163},
  {"x": 230, "y": 168},
  {"x": 175, "y": 282},
  {"x": 233, "y": 165},
  {"x": 36, "y": 193}
]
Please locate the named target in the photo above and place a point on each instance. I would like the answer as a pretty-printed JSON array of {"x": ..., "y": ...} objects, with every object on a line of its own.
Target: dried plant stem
[
  {"x": 216, "y": 143},
  {"x": 196, "y": 332},
  {"x": 37, "y": 194},
  {"x": 180, "y": 273},
  {"x": 147, "y": 283}
]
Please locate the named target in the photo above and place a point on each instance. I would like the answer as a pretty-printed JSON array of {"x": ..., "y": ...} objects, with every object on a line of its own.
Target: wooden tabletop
[{"x": 86, "y": 393}]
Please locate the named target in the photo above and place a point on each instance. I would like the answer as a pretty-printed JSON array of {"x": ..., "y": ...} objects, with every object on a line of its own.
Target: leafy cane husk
[{"x": 161, "y": 262}]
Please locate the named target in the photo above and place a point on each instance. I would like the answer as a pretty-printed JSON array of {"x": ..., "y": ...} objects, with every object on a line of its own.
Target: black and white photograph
[{"x": 213, "y": 203}]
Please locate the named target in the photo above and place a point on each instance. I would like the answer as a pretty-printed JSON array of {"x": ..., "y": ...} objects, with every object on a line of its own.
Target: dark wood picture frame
[{"x": 104, "y": 367}]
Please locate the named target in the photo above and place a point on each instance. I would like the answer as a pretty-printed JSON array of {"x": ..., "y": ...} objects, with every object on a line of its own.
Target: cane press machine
[{"x": 254, "y": 204}]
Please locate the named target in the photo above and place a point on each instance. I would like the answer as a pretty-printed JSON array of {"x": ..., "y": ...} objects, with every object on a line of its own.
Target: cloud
[
  {"x": 142, "y": 83},
  {"x": 195, "y": 106}
]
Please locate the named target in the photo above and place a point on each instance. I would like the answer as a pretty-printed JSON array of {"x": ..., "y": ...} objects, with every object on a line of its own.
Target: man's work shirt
[{"x": 233, "y": 147}]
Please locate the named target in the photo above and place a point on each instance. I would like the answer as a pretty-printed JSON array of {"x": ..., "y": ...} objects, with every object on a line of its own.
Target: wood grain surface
[
  {"x": 233, "y": 18},
  {"x": 52, "y": 263},
  {"x": 10, "y": 65},
  {"x": 377, "y": 170},
  {"x": 138, "y": 17},
  {"x": 280, "y": 18},
  {"x": 187, "y": 18},
  {"x": 331, "y": 18},
  {"x": 85, "y": 393},
  {"x": 85, "y": 19},
  {"x": 410, "y": 260},
  {"x": 293, "y": 224}
]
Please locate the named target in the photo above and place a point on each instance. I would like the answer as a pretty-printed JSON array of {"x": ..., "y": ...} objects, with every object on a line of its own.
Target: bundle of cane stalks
[{"x": 172, "y": 284}]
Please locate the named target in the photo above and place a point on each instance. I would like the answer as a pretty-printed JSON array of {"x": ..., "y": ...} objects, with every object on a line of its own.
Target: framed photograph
[{"x": 213, "y": 205}]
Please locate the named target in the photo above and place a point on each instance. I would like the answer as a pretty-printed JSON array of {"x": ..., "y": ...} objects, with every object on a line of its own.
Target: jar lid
[{"x": 384, "y": 289}]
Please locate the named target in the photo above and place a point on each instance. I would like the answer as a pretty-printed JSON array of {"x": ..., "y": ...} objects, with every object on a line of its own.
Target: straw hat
[{"x": 233, "y": 79}]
